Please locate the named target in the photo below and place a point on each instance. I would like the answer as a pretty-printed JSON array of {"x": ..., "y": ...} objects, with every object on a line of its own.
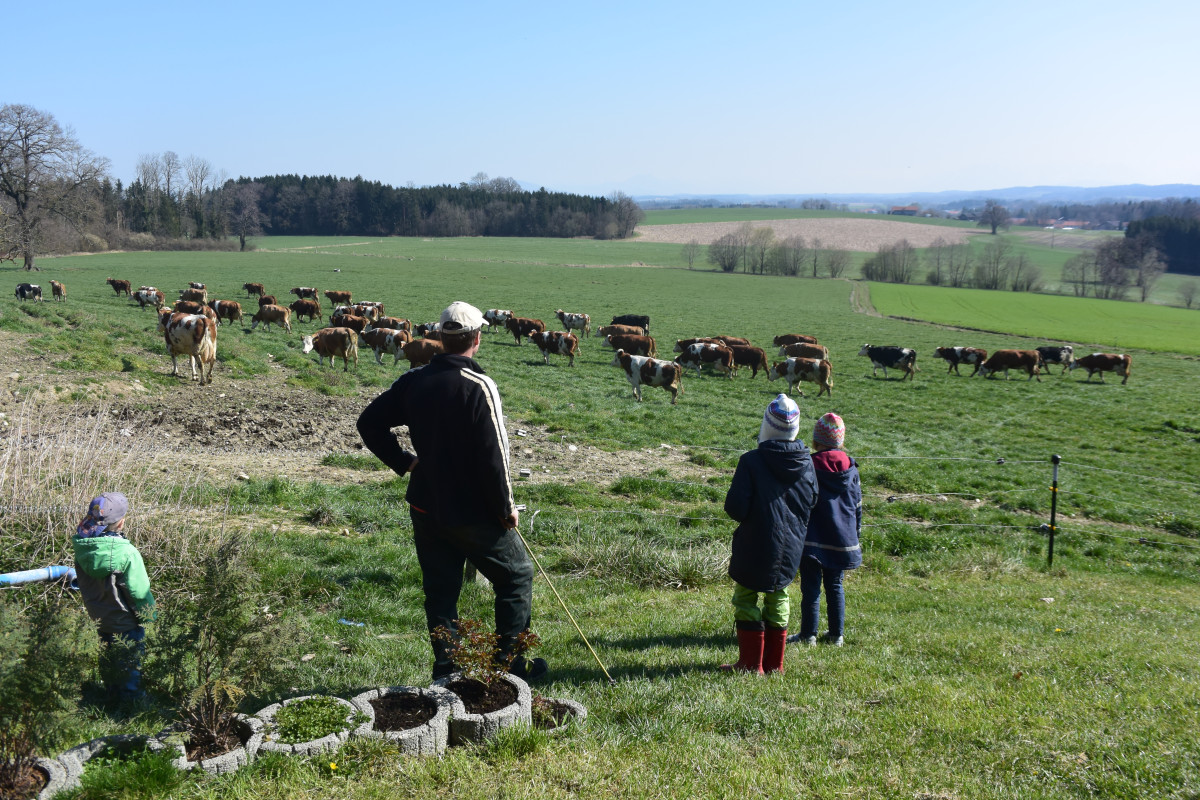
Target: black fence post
[{"x": 1055, "y": 460}]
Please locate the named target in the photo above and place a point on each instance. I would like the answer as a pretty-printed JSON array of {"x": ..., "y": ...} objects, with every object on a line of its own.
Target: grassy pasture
[{"x": 958, "y": 679}]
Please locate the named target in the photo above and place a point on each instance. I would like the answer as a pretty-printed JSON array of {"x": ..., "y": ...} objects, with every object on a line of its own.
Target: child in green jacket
[{"x": 116, "y": 591}]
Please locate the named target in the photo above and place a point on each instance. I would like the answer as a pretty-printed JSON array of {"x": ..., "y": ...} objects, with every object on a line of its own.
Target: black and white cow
[
  {"x": 640, "y": 320},
  {"x": 962, "y": 355},
  {"x": 1057, "y": 354},
  {"x": 29, "y": 291},
  {"x": 885, "y": 356}
]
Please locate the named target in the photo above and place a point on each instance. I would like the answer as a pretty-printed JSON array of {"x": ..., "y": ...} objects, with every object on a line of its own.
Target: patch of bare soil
[{"x": 841, "y": 233}]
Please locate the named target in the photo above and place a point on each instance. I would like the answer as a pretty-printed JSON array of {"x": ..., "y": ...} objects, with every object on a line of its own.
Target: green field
[{"x": 958, "y": 679}]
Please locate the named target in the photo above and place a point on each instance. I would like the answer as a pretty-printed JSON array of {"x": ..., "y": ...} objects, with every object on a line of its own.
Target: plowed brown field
[{"x": 866, "y": 235}]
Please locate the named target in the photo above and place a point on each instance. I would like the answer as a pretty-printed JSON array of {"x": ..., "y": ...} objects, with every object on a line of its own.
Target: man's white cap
[{"x": 460, "y": 317}]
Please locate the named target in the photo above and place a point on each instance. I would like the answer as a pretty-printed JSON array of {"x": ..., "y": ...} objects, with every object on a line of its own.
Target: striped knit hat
[
  {"x": 829, "y": 433},
  {"x": 781, "y": 420}
]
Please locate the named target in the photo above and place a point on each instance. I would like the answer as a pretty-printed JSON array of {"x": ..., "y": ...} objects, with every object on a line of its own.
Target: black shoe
[{"x": 529, "y": 669}]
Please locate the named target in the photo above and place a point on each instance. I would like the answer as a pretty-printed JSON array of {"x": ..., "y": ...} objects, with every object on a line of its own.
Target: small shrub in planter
[
  {"x": 556, "y": 714},
  {"x": 215, "y": 758},
  {"x": 308, "y": 725},
  {"x": 416, "y": 720}
]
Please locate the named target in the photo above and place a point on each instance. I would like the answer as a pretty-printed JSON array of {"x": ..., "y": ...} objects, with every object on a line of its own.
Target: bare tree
[
  {"x": 959, "y": 265},
  {"x": 198, "y": 172},
  {"x": 1112, "y": 269},
  {"x": 691, "y": 251},
  {"x": 787, "y": 256},
  {"x": 725, "y": 252},
  {"x": 1187, "y": 293},
  {"x": 1150, "y": 268},
  {"x": 814, "y": 255},
  {"x": 1023, "y": 276},
  {"x": 836, "y": 262},
  {"x": 938, "y": 260},
  {"x": 169, "y": 167},
  {"x": 759, "y": 246},
  {"x": 627, "y": 213},
  {"x": 893, "y": 263},
  {"x": 994, "y": 216},
  {"x": 149, "y": 173},
  {"x": 742, "y": 237},
  {"x": 245, "y": 216},
  {"x": 991, "y": 271},
  {"x": 44, "y": 173},
  {"x": 1076, "y": 271}
]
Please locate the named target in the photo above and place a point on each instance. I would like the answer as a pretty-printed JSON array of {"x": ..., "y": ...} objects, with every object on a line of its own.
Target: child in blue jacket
[
  {"x": 831, "y": 546},
  {"x": 773, "y": 490}
]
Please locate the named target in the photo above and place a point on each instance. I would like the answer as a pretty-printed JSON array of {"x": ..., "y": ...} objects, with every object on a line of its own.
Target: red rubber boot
[
  {"x": 774, "y": 645},
  {"x": 750, "y": 648}
]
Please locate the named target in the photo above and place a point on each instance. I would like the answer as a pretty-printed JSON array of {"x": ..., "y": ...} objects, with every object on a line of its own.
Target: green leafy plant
[
  {"x": 313, "y": 718},
  {"x": 475, "y": 650}
]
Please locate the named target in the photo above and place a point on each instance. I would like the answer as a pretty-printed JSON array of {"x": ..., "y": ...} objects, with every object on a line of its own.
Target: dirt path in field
[{"x": 863, "y": 235}]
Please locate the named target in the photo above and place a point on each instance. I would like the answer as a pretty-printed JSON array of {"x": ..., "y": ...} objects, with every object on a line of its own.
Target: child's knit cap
[
  {"x": 829, "y": 433},
  {"x": 781, "y": 420}
]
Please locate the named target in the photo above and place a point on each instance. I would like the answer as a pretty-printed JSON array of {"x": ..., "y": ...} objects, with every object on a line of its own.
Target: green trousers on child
[{"x": 775, "y": 611}]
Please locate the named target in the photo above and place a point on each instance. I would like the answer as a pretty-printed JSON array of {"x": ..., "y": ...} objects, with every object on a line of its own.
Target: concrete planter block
[
  {"x": 577, "y": 716},
  {"x": 425, "y": 740},
  {"x": 467, "y": 727},
  {"x": 57, "y": 779},
  {"x": 76, "y": 759},
  {"x": 249, "y": 730},
  {"x": 326, "y": 744}
]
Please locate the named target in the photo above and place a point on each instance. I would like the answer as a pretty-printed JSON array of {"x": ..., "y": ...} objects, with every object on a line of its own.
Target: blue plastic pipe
[{"x": 31, "y": 575}]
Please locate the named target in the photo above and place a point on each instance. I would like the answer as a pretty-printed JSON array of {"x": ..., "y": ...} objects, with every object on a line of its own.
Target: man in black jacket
[{"x": 459, "y": 490}]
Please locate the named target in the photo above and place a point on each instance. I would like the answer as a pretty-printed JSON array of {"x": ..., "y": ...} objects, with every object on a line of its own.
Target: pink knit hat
[{"x": 829, "y": 433}]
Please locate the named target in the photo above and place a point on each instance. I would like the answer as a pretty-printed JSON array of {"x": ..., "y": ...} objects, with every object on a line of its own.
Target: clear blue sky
[{"x": 798, "y": 97}]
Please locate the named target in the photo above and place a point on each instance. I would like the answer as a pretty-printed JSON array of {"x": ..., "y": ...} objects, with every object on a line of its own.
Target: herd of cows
[{"x": 189, "y": 328}]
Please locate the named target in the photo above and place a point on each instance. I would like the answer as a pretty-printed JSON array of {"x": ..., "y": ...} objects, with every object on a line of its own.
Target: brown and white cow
[
  {"x": 149, "y": 296},
  {"x": 267, "y": 300},
  {"x": 885, "y": 356},
  {"x": 717, "y": 356},
  {"x": 752, "y": 357},
  {"x": 962, "y": 355},
  {"x": 386, "y": 340},
  {"x": 195, "y": 295},
  {"x": 119, "y": 286},
  {"x": 428, "y": 330},
  {"x": 337, "y": 297},
  {"x": 192, "y": 307},
  {"x": 1104, "y": 362},
  {"x": 420, "y": 352},
  {"x": 732, "y": 340},
  {"x": 311, "y": 292},
  {"x": 372, "y": 311},
  {"x": 521, "y": 327},
  {"x": 196, "y": 285},
  {"x": 496, "y": 317},
  {"x": 396, "y": 323},
  {"x": 253, "y": 289},
  {"x": 684, "y": 344},
  {"x": 279, "y": 315},
  {"x": 332, "y": 342},
  {"x": 792, "y": 338},
  {"x": 352, "y": 321},
  {"x": 794, "y": 370},
  {"x": 805, "y": 350},
  {"x": 1057, "y": 354},
  {"x": 58, "y": 290},
  {"x": 306, "y": 308},
  {"x": 574, "y": 322},
  {"x": 640, "y": 320},
  {"x": 621, "y": 330},
  {"x": 1026, "y": 360},
  {"x": 226, "y": 309},
  {"x": 191, "y": 335},
  {"x": 645, "y": 371},
  {"x": 630, "y": 343},
  {"x": 557, "y": 342}
]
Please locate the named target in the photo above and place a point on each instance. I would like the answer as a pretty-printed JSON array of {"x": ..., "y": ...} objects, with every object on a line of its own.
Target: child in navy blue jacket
[
  {"x": 831, "y": 545},
  {"x": 772, "y": 492}
]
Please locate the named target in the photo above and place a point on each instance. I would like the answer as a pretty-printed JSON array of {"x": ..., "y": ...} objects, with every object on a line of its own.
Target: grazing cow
[
  {"x": 183, "y": 306},
  {"x": 226, "y": 309},
  {"x": 191, "y": 335},
  {"x": 335, "y": 297},
  {"x": 395, "y": 323},
  {"x": 1104, "y": 362},
  {"x": 805, "y": 350},
  {"x": 792, "y": 338},
  {"x": 195, "y": 295},
  {"x": 497, "y": 316},
  {"x": 732, "y": 340},
  {"x": 640, "y": 320},
  {"x": 386, "y": 340},
  {"x": 684, "y": 344},
  {"x": 353, "y": 321},
  {"x": 195, "y": 285},
  {"x": 717, "y": 356},
  {"x": 306, "y": 308},
  {"x": 420, "y": 352},
  {"x": 253, "y": 289},
  {"x": 557, "y": 342},
  {"x": 794, "y": 370},
  {"x": 280, "y": 315},
  {"x": 58, "y": 290},
  {"x": 149, "y": 296},
  {"x": 634, "y": 345},
  {"x": 267, "y": 300},
  {"x": 119, "y": 286},
  {"x": 307, "y": 291},
  {"x": 331, "y": 342},
  {"x": 368, "y": 310},
  {"x": 645, "y": 371},
  {"x": 961, "y": 355},
  {"x": 621, "y": 330},
  {"x": 29, "y": 291},
  {"x": 1027, "y": 360},
  {"x": 1057, "y": 354},
  {"x": 902, "y": 358},
  {"x": 752, "y": 357},
  {"x": 577, "y": 322},
  {"x": 521, "y": 327}
]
